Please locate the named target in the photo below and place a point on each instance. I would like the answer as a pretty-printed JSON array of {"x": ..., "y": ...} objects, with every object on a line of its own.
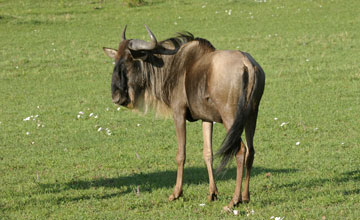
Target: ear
[{"x": 110, "y": 52}]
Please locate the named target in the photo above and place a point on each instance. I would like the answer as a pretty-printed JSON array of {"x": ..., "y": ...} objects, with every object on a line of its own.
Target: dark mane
[
  {"x": 205, "y": 43},
  {"x": 183, "y": 38},
  {"x": 180, "y": 39}
]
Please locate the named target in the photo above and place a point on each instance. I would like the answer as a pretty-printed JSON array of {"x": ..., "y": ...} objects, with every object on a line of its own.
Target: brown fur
[{"x": 190, "y": 78}]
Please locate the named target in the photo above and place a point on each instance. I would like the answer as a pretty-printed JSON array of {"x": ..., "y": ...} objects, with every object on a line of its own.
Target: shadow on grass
[
  {"x": 151, "y": 181},
  {"x": 145, "y": 182}
]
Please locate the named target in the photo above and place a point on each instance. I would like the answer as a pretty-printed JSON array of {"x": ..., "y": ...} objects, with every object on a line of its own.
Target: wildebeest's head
[{"x": 127, "y": 82}]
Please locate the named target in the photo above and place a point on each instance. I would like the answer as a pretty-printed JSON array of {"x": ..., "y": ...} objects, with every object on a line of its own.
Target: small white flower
[
  {"x": 252, "y": 211},
  {"x": 175, "y": 23},
  {"x": 91, "y": 114},
  {"x": 27, "y": 133},
  {"x": 275, "y": 119},
  {"x": 342, "y": 143},
  {"x": 315, "y": 129},
  {"x": 36, "y": 116},
  {"x": 81, "y": 113},
  {"x": 96, "y": 116},
  {"x": 78, "y": 116},
  {"x": 138, "y": 125},
  {"x": 202, "y": 204},
  {"x": 43, "y": 126},
  {"x": 229, "y": 12},
  {"x": 27, "y": 118},
  {"x": 107, "y": 109},
  {"x": 284, "y": 123},
  {"x": 271, "y": 217},
  {"x": 179, "y": 17},
  {"x": 17, "y": 67},
  {"x": 236, "y": 212},
  {"x": 108, "y": 132},
  {"x": 99, "y": 129},
  {"x": 203, "y": 6},
  {"x": 298, "y": 143},
  {"x": 118, "y": 108},
  {"x": 307, "y": 60},
  {"x": 38, "y": 107},
  {"x": 32, "y": 142}
]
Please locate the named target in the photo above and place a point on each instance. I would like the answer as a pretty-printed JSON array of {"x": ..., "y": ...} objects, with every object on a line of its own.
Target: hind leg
[
  {"x": 249, "y": 159},
  {"x": 208, "y": 157},
  {"x": 240, "y": 160}
]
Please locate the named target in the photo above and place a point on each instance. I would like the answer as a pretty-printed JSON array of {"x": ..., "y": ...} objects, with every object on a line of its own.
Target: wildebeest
[{"x": 188, "y": 76}]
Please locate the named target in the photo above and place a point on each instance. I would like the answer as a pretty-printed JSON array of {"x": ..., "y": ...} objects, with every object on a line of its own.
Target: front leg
[{"x": 180, "y": 125}]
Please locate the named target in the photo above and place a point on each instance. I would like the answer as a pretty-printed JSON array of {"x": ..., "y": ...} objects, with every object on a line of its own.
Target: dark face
[
  {"x": 126, "y": 83},
  {"x": 119, "y": 84}
]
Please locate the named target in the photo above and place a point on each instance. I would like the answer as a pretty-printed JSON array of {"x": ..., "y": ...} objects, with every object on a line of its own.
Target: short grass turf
[{"x": 57, "y": 163}]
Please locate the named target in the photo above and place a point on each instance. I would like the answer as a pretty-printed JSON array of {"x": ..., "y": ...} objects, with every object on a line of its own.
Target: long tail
[{"x": 232, "y": 141}]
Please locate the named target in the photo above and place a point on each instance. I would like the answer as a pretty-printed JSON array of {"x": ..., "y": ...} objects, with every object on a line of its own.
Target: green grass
[{"x": 52, "y": 65}]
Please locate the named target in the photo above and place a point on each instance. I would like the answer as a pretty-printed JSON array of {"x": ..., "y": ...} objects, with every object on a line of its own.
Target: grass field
[{"x": 56, "y": 164}]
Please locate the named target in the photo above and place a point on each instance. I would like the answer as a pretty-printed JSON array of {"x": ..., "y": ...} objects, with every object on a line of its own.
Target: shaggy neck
[{"x": 157, "y": 76}]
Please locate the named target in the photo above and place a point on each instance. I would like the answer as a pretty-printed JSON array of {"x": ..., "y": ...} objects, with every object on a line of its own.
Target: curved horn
[
  {"x": 152, "y": 36},
  {"x": 143, "y": 45},
  {"x": 123, "y": 36}
]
